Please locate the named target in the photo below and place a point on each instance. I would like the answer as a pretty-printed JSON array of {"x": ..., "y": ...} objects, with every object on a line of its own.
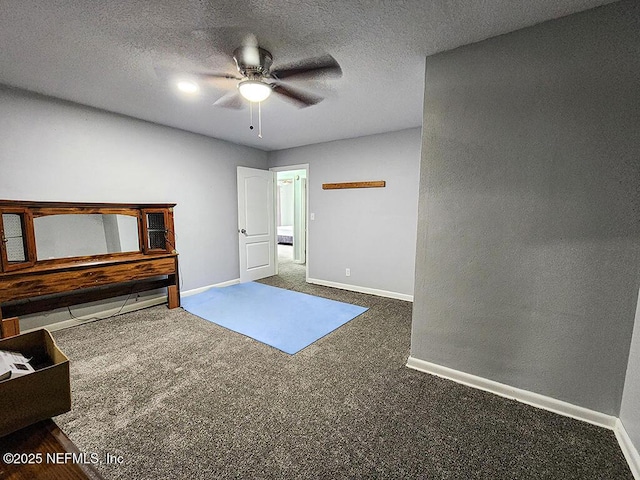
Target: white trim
[
  {"x": 628, "y": 449},
  {"x": 195, "y": 291},
  {"x": 356, "y": 288},
  {"x": 92, "y": 317},
  {"x": 286, "y": 168},
  {"x": 524, "y": 396}
]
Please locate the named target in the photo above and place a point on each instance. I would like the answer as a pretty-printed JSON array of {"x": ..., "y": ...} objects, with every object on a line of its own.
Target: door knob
[{"x": 243, "y": 231}]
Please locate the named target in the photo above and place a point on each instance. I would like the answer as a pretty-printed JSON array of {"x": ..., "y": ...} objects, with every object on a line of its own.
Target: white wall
[
  {"x": 286, "y": 203},
  {"x": 371, "y": 231},
  {"x": 630, "y": 409},
  {"x": 55, "y": 150}
]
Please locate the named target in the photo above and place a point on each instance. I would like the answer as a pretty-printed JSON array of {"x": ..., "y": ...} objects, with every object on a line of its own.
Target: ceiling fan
[{"x": 257, "y": 80}]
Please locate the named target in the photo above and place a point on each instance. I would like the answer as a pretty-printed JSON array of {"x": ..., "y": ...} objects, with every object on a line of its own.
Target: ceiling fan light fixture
[{"x": 254, "y": 90}]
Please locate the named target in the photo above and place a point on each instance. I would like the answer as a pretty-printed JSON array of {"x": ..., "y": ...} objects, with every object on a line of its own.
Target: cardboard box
[{"x": 42, "y": 394}]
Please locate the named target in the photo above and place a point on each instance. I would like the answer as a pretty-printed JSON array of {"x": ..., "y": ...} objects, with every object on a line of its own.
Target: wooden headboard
[{"x": 48, "y": 261}]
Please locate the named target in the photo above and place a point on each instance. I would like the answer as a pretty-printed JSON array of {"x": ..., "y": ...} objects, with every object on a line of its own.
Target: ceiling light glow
[
  {"x": 187, "y": 87},
  {"x": 254, "y": 90}
]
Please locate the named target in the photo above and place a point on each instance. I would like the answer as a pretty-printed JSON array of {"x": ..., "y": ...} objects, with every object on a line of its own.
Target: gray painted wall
[
  {"x": 53, "y": 150},
  {"x": 630, "y": 409},
  {"x": 371, "y": 231},
  {"x": 529, "y": 234}
]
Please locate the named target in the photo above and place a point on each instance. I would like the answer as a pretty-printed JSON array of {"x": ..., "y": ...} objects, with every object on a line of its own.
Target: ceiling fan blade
[
  {"x": 167, "y": 74},
  {"x": 230, "y": 100},
  {"x": 320, "y": 66},
  {"x": 298, "y": 97},
  {"x": 216, "y": 76}
]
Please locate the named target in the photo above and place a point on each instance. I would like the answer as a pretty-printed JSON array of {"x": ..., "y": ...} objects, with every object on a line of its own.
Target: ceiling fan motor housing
[{"x": 252, "y": 61}]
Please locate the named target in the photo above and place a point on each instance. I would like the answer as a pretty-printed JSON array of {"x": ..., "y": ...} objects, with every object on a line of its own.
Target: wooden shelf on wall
[{"x": 338, "y": 186}]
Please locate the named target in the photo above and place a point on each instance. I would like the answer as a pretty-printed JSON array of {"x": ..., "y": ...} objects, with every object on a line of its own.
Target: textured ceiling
[{"x": 106, "y": 54}]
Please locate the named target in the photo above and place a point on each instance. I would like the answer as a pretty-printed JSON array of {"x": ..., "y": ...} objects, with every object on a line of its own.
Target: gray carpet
[{"x": 182, "y": 398}]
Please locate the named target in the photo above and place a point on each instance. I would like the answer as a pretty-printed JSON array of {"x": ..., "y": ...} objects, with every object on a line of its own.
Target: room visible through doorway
[{"x": 291, "y": 214}]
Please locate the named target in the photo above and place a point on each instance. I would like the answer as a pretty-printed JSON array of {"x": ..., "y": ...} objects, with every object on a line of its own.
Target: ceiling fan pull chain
[
  {"x": 259, "y": 120},
  {"x": 251, "y": 114}
]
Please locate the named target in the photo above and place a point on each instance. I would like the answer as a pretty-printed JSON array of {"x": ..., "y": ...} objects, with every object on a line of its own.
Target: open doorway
[{"x": 291, "y": 214}]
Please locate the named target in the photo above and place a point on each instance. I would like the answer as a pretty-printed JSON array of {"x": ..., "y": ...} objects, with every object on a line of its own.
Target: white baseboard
[
  {"x": 150, "y": 302},
  {"x": 524, "y": 396},
  {"x": 356, "y": 288},
  {"x": 628, "y": 449},
  {"x": 195, "y": 291},
  {"x": 342, "y": 286}
]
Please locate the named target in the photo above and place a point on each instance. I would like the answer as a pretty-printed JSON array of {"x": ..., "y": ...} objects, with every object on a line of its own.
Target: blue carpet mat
[{"x": 284, "y": 319}]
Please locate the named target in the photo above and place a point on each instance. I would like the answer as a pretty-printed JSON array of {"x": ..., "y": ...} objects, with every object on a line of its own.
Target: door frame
[{"x": 287, "y": 168}]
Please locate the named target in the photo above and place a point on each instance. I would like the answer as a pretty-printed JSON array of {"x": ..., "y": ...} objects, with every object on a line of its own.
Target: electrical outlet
[{"x": 348, "y": 272}]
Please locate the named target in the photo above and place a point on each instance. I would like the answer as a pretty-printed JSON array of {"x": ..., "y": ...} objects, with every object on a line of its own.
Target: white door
[{"x": 256, "y": 232}]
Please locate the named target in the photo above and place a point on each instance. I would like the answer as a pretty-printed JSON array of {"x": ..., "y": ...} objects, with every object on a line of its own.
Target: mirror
[{"x": 77, "y": 235}]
